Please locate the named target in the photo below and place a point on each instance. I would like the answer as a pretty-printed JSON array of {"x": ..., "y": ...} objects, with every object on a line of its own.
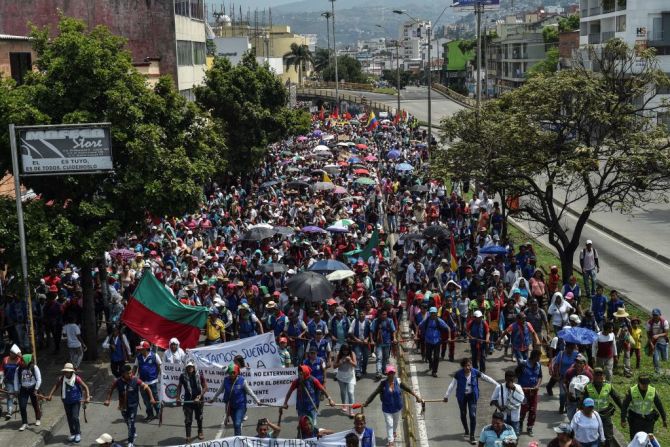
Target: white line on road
[
  {"x": 219, "y": 434},
  {"x": 421, "y": 424}
]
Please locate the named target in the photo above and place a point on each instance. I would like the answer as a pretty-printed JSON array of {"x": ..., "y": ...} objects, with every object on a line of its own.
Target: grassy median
[{"x": 545, "y": 259}]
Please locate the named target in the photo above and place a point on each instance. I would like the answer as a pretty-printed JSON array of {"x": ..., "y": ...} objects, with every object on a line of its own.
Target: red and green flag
[{"x": 154, "y": 314}]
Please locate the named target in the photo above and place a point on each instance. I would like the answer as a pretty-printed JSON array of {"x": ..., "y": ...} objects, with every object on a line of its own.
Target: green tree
[
  {"x": 348, "y": 70},
  {"x": 322, "y": 58},
  {"x": 248, "y": 103},
  {"x": 391, "y": 76},
  {"x": 550, "y": 34},
  {"x": 574, "y": 139},
  {"x": 570, "y": 23},
  {"x": 164, "y": 147},
  {"x": 300, "y": 58},
  {"x": 548, "y": 65}
]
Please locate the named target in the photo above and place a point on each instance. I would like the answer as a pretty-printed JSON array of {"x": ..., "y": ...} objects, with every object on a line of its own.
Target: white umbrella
[
  {"x": 261, "y": 225},
  {"x": 339, "y": 275},
  {"x": 327, "y": 137},
  {"x": 343, "y": 143},
  {"x": 321, "y": 148}
]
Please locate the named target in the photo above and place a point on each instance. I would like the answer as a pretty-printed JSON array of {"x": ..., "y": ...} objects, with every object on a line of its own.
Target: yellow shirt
[
  {"x": 636, "y": 336},
  {"x": 214, "y": 331}
]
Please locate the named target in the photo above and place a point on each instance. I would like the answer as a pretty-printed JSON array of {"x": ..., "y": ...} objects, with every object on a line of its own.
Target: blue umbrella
[
  {"x": 393, "y": 154},
  {"x": 328, "y": 266},
  {"x": 404, "y": 167},
  {"x": 354, "y": 160},
  {"x": 578, "y": 335},
  {"x": 493, "y": 250}
]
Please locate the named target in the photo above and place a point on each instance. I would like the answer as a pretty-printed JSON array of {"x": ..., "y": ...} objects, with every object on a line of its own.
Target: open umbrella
[
  {"x": 273, "y": 268},
  {"x": 261, "y": 225},
  {"x": 362, "y": 146},
  {"x": 297, "y": 184},
  {"x": 301, "y": 138},
  {"x": 258, "y": 234},
  {"x": 493, "y": 250},
  {"x": 337, "y": 229},
  {"x": 284, "y": 231},
  {"x": 313, "y": 229},
  {"x": 393, "y": 154},
  {"x": 310, "y": 286},
  {"x": 125, "y": 253},
  {"x": 340, "y": 190},
  {"x": 419, "y": 188},
  {"x": 354, "y": 160},
  {"x": 412, "y": 236},
  {"x": 328, "y": 266},
  {"x": 578, "y": 335},
  {"x": 370, "y": 158},
  {"x": 343, "y": 222},
  {"x": 436, "y": 231},
  {"x": 269, "y": 184},
  {"x": 365, "y": 181},
  {"x": 404, "y": 167},
  {"x": 321, "y": 148},
  {"x": 343, "y": 144},
  {"x": 323, "y": 186},
  {"x": 361, "y": 171},
  {"x": 327, "y": 137},
  {"x": 339, "y": 275}
]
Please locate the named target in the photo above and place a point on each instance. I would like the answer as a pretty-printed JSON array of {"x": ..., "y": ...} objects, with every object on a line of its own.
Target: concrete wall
[
  {"x": 13, "y": 46},
  {"x": 148, "y": 25}
]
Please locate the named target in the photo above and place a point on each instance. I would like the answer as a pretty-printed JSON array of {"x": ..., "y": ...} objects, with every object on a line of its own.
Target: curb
[
  {"x": 46, "y": 435},
  {"x": 659, "y": 257}
]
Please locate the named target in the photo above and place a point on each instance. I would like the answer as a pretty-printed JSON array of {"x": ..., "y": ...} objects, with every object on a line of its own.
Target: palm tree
[
  {"x": 322, "y": 58},
  {"x": 299, "y": 58}
]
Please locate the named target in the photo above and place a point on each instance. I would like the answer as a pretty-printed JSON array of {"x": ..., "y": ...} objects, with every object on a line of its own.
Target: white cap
[
  {"x": 190, "y": 363},
  {"x": 478, "y": 314},
  {"x": 104, "y": 439},
  {"x": 496, "y": 273},
  {"x": 15, "y": 350},
  {"x": 589, "y": 242},
  {"x": 575, "y": 318}
]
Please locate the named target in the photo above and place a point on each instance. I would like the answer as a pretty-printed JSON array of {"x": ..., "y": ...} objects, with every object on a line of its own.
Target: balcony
[
  {"x": 594, "y": 11},
  {"x": 584, "y": 13},
  {"x": 594, "y": 38},
  {"x": 607, "y": 35}
]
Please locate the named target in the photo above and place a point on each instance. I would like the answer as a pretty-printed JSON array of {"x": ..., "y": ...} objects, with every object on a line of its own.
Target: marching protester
[
  {"x": 390, "y": 394},
  {"x": 119, "y": 350},
  {"x": 345, "y": 363},
  {"x": 27, "y": 382},
  {"x": 587, "y": 425},
  {"x": 148, "y": 367},
  {"x": 174, "y": 353},
  {"x": 529, "y": 375},
  {"x": 193, "y": 383},
  {"x": 431, "y": 330},
  {"x": 8, "y": 368},
  {"x": 74, "y": 391},
  {"x": 306, "y": 386},
  {"x": 266, "y": 429},
  {"x": 497, "y": 433},
  {"x": 507, "y": 398},
  {"x": 235, "y": 390},
  {"x": 364, "y": 434}
]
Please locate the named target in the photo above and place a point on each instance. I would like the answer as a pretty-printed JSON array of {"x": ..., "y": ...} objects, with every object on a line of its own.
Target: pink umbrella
[
  {"x": 301, "y": 138},
  {"x": 370, "y": 158},
  {"x": 339, "y": 190}
]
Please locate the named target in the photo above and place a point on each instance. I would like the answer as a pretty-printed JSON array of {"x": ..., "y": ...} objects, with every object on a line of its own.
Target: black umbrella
[
  {"x": 270, "y": 184},
  {"x": 284, "y": 231},
  {"x": 436, "y": 231},
  {"x": 419, "y": 188},
  {"x": 412, "y": 236},
  {"x": 310, "y": 286},
  {"x": 258, "y": 234},
  {"x": 297, "y": 184},
  {"x": 273, "y": 268}
]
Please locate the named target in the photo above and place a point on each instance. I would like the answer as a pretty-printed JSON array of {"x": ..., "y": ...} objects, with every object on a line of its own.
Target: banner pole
[{"x": 22, "y": 237}]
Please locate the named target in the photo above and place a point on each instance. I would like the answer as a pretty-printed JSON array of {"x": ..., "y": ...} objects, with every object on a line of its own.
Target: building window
[
  {"x": 197, "y": 9},
  {"x": 664, "y": 119},
  {"x": 181, "y": 7},
  {"x": 621, "y": 23},
  {"x": 20, "y": 64},
  {"x": 184, "y": 52},
  {"x": 657, "y": 29},
  {"x": 199, "y": 53}
]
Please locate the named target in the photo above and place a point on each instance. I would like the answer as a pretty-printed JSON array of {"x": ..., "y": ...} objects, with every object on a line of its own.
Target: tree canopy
[
  {"x": 249, "y": 105},
  {"x": 300, "y": 58},
  {"x": 348, "y": 70},
  {"x": 573, "y": 139}
]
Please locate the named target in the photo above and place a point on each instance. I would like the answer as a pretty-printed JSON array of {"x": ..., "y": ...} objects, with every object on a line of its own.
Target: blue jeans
[
  {"x": 129, "y": 416},
  {"x": 515, "y": 425},
  {"x": 383, "y": 352},
  {"x": 237, "y": 415},
  {"x": 9, "y": 387},
  {"x": 590, "y": 278},
  {"x": 147, "y": 401},
  {"x": 362, "y": 356},
  {"x": 72, "y": 414},
  {"x": 520, "y": 355},
  {"x": 562, "y": 393},
  {"x": 660, "y": 353},
  {"x": 590, "y": 444},
  {"x": 468, "y": 407}
]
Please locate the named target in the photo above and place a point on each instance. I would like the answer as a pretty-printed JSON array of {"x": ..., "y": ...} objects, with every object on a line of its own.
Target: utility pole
[
  {"x": 430, "y": 87},
  {"x": 327, "y": 16},
  {"x": 478, "y": 12},
  {"x": 397, "y": 71},
  {"x": 337, "y": 79}
]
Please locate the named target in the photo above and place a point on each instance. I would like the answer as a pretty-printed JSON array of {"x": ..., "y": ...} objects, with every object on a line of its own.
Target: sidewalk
[{"x": 96, "y": 375}]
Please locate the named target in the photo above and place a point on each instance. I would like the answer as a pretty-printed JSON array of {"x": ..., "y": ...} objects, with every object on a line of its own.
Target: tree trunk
[
  {"x": 89, "y": 328},
  {"x": 567, "y": 256}
]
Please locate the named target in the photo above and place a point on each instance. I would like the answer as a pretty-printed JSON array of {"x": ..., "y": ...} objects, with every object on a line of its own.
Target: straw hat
[
  {"x": 69, "y": 367},
  {"x": 620, "y": 313}
]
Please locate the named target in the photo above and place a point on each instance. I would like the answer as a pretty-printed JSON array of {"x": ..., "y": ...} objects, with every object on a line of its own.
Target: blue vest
[
  {"x": 247, "y": 328},
  {"x": 279, "y": 325},
  {"x": 131, "y": 390},
  {"x": 148, "y": 368},
  {"x": 119, "y": 353},
  {"x": 366, "y": 328},
  {"x": 368, "y": 437},
  {"x": 461, "y": 382},
  {"x": 294, "y": 330},
  {"x": 391, "y": 400},
  {"x": 10, "y": 371},
  {"x": 72, "y": 393},
  {"x": 316, "y": 367},
  {"x": 477, "y": 330},
  {"x": 321, "y": 348},
  {"x": 345, "y": 328},
  {"x": 529, "y": 374},
  {"x": 521, "y": 337},
  {"x": 432, "y": 330},
  {"x": 306, "y": 391},
  {"x": 233, "y": 392},
  {"x": 312, "y": 326}
]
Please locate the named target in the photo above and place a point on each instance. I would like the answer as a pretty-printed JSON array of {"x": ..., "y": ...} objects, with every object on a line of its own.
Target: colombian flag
[
  {"x": 372, "y": 121},
  {"x": 452, "y": 252}
]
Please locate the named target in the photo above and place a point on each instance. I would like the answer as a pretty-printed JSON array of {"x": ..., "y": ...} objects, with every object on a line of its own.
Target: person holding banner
[
  {"x": 194, "y": 385},
  {"x": 307, "y": 397},
  {"x": 235, "y": 390},
  {"x": 319, "y": 367}
]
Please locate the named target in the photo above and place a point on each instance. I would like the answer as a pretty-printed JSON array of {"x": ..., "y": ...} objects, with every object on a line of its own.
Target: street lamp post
[
  {"x": 337, "y": 80},
  {"x": 397, "y": 67},
  {"x": 327, "y": 16}
]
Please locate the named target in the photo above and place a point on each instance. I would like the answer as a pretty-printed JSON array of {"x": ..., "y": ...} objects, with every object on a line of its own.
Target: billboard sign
[
  {"x": 65, "y": 149},
  {"x": 474, "y": 3}
]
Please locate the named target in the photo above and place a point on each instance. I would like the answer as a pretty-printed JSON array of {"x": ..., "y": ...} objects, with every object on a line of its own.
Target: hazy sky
[{"x": 249, "y": 3}]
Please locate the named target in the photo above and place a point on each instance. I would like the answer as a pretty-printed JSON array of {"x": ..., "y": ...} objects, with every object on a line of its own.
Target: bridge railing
[
  {"x": 451, "y": 94},
  {"x": 324, "y": 92},
  {"x": 342, "y": 85}
]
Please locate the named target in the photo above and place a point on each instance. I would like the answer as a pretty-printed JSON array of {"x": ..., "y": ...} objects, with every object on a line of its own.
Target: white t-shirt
[{"x": 71, "y": 331}]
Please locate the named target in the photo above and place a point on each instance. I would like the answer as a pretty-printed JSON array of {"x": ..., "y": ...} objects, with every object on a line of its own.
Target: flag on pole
[
  {"x": 372, "y": 243},
  {"x": 452, "y": 252},
  {"x": 372, "y": 121},
  {"x": 322, "y": 114},
  {"x": 155, "y": 315}
]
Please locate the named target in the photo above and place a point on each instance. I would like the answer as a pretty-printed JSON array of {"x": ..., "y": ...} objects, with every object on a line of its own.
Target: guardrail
[
  {"x": 342, "y": 85},
  {"x": 325, "y": 92},
  {"x": 457, "y": 97}
]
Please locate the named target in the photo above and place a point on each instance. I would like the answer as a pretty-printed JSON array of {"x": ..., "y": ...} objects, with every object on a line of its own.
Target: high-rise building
[{"x": 171, "y": 32}]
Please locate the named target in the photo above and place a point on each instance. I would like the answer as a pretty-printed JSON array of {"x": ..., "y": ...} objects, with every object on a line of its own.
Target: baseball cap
[
  {"x": 589, "y": 242},
  {"x": 143, "y": 345},
  {"x": 432, "y": 310},
  {"x": 104, "y": 439},
  {"x": 390, "y": 369},
  {"x": 190, "y": 363},
  {"x": 580, "y": 358},
  {"x": 478, "y": 314},
  {"x": 588, "y": 402},
  {"x": 575, "y": 318},
  {"x": 656, "y": 312}
]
